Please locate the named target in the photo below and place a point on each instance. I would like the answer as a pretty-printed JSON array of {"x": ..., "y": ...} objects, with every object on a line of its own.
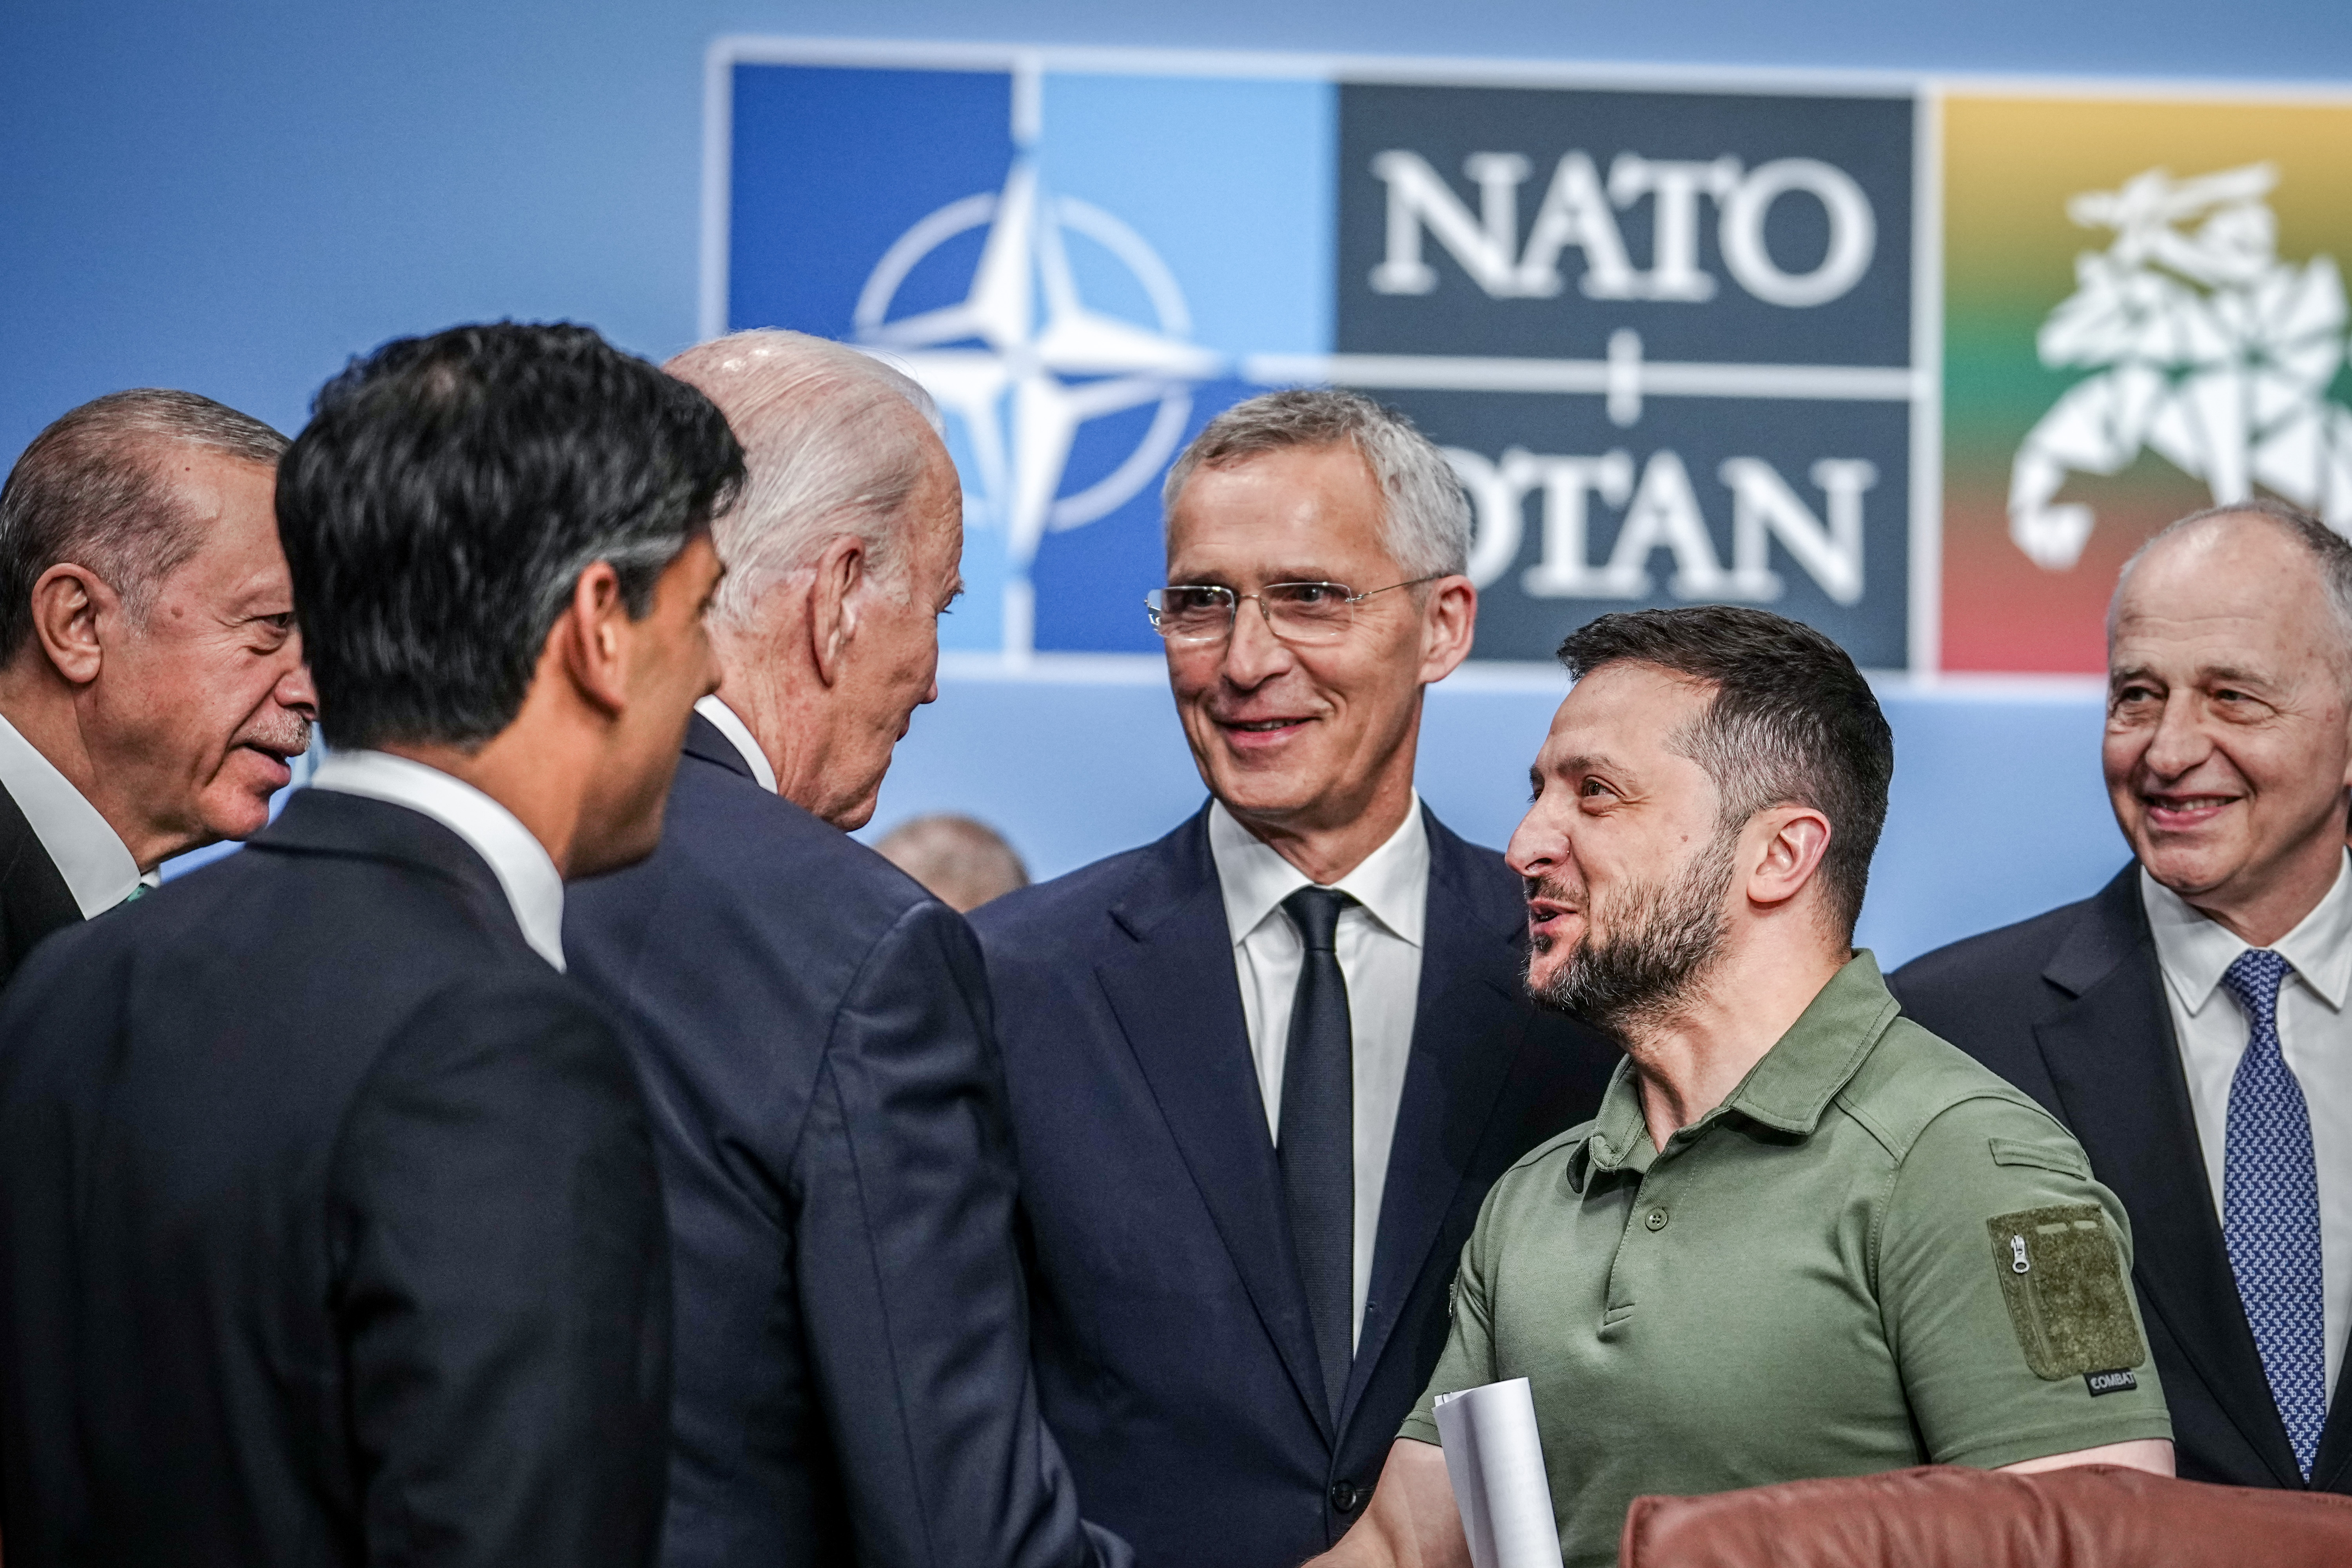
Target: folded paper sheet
[{"x": 1496, "y": 1461}]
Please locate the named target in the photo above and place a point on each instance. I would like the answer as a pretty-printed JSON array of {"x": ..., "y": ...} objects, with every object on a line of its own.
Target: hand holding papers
[{"x": 1495, "y": 1460}]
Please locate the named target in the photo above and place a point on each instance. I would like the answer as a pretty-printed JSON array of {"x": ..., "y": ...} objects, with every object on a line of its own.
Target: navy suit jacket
[
  {"x": 1174, "y": 1352},
  {"x": 330, "y": 1227},
  {"x": 814, "y": 1031},
  {"x": 2069, "y": 1007}
]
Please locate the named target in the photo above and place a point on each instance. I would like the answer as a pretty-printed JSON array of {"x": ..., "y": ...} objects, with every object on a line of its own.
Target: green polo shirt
[{"x": 1874, "y": 1253}]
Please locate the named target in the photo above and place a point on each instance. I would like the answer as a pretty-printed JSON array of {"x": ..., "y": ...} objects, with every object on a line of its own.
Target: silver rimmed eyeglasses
[{"x": 1295, "y": 612}]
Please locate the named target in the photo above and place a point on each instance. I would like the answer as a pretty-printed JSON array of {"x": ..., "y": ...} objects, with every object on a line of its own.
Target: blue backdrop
[{"x": 234, "y": 197}]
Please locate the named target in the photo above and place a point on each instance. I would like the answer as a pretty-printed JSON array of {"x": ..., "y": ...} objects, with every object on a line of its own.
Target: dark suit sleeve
[
  {"x": 910, "y": 1277},
  {"x": 503, "y": 1289},
  {"x": 1907, "y": 996}
]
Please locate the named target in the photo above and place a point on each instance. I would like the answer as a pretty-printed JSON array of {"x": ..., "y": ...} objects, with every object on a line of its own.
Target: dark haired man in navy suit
[
  {"x": 330, "y": 1227},
  {"x": 1264, "y": 1071}
]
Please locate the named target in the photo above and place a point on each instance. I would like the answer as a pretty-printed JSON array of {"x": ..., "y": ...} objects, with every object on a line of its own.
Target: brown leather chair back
[{"x": 1945, "y": 1516}]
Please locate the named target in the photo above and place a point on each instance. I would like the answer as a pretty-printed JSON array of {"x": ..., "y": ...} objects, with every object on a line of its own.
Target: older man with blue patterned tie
[{"x": 2193, "y": 1024}]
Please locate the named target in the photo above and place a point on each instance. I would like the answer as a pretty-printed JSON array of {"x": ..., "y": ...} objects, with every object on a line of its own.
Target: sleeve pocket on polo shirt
[
  {"x": 2041, "y": 1157},
  {"x": 2061, "y": 1277}
]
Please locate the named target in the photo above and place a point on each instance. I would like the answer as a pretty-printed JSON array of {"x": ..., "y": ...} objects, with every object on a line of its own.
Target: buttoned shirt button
[
  {"x": 1346, "y": 1496},
  {"x": 1656, "y": 1220}
]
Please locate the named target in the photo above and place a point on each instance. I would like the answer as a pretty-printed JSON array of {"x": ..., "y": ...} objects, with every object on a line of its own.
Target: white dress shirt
[
  {"x": 1379, "y": 942},
  {"x": 2316, "y": 1034},
  {"x": 95, "y": 865},
  {"x": 739, "y": 736},
  {"x": 533, "y": 887}
]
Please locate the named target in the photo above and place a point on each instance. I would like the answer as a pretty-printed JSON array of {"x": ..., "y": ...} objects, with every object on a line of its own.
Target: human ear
[
  {"x": 590, "y": 638},
  {"x": 833, "y": 605},
  {"x": 2348, "y": 745},
  {"x": 68, "y": 602},
  {"x": 1448, "y": 622},
  {"x": 1794, "y": 838}
]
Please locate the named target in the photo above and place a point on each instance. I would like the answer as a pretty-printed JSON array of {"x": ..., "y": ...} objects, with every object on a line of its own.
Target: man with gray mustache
[{"x": 151, "y": 683}]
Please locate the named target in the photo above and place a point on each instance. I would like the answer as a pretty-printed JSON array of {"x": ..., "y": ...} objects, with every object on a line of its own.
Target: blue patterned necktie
[{"x": 2270, "y": 1208}]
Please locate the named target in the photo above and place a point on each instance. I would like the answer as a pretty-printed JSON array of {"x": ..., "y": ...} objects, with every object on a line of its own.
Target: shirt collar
[
  {"x": 533, "y": 887},
  {"x": 89, "y": 854},
  {"x": 2195, "y": 950},
  {"x": 1787, "y": 1089},
  {"x": 1391, "y": 884},
  {"x": 728, "y": 723}
]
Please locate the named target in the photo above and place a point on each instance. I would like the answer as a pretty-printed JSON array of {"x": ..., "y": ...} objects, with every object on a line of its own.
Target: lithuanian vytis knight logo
[{"x": 2206, "y": 348}]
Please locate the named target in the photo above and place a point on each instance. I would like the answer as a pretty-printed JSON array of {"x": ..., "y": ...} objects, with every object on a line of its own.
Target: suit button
[
  {"x": 1657, "y": 1220},
  {"x": 1346, "y": 1496}
]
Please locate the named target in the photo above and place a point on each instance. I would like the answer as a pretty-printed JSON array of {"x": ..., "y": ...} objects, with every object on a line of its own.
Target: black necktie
[{"x": 1317, "y": 1141}]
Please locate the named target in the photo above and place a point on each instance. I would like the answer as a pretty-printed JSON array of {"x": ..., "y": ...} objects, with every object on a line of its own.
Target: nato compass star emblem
[{"x": 1023, "y": 362}]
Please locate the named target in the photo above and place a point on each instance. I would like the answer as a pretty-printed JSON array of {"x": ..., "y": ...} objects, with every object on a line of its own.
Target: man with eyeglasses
[{"x": 1264, "y": 1071}]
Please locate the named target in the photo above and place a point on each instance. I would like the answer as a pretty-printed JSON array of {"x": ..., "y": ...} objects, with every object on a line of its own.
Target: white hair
[
  {"x": 1424, "y": 514},
  {"x": 829, "y": 448}
]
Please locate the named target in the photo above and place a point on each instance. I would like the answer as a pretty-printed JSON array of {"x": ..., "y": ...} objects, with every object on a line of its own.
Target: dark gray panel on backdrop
[{"x": 1725, "y": 278}]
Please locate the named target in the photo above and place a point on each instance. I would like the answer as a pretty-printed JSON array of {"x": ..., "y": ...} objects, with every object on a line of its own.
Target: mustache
[
  {"x": 1559, "y": 889},
  {"x": 1645, "y": 944},
  {"x": 285, "y": 733}
]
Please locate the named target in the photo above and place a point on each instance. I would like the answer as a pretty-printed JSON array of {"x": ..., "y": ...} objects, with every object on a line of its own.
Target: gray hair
[
  {"x": 827, "y": 446},
  {"x": 2331, "y": 554},
  {"x": 92, "y": 491},
  {"x": 1426, "y": 515}
]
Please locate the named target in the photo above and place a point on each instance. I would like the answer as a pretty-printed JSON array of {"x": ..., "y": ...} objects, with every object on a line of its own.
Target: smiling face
[
  {"x": 2229, "y": 737},
  {"x": 203, "y": 701},
  {"x": 1302, "y": 737},
  {"x": 1628, "y": 875}
]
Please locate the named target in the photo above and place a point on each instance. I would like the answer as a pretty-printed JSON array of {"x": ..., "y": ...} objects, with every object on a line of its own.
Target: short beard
[{"x": 1644, "y": 950}]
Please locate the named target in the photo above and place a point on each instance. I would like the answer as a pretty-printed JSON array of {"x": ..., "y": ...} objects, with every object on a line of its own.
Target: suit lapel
[
  {"x": 706, "y": 741},
  {"x": 2116, "y": 1068},
  {"x": 2332, "y": 1467},
  {"x": 1178, "y": 1002},
  {"x": 34, "y": 897},
  {"x": 1467, "y": 1029}
]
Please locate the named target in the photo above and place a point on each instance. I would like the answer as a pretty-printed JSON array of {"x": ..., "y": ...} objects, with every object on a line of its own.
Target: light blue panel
[
  {"x": 1996, "y": 814},
  {"x": 1068, "y": 771},
  {"x": 1231, "y": 181},
  {"x": 977, "y": 622},
  {"x": 1475, "y": 747}
]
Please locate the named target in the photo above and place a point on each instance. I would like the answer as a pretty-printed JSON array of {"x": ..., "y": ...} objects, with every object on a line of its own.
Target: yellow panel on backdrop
[{"x": 2142, "y": 314}]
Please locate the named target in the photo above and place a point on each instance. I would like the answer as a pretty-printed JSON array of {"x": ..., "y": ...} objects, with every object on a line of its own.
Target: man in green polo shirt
[{"x": 1803, "y": 1237}]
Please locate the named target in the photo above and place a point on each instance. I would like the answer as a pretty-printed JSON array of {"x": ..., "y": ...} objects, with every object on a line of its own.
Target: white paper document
[{"x": 1496, "y": 1461}]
